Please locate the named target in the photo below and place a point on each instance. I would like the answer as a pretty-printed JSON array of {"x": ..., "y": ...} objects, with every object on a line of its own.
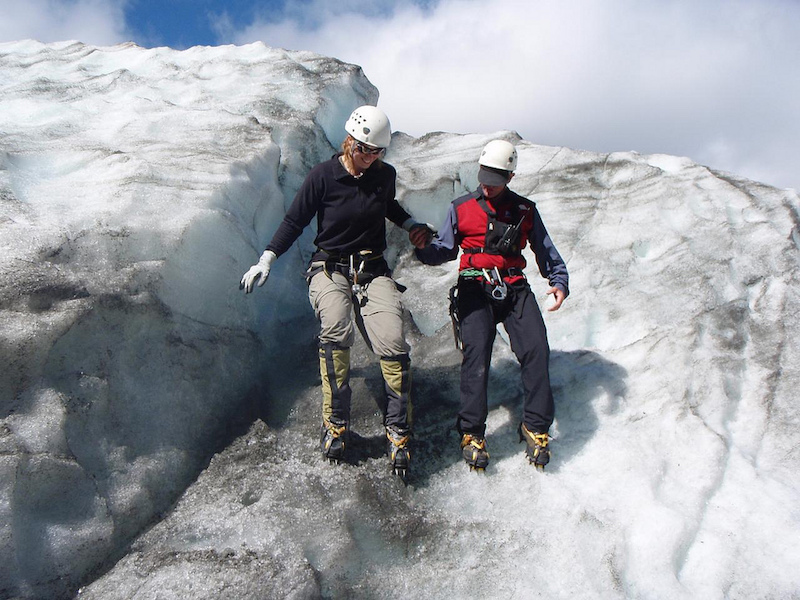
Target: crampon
[
  {"x": 473, "y": 449},
  {"x": 399, "y": 454},
  {"x": 332, "y": 440},
  {"x": 537, "y": 449}
]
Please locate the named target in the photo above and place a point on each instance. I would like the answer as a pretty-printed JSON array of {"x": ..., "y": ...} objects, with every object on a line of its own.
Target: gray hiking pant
[{"x": 379, "y": 317}]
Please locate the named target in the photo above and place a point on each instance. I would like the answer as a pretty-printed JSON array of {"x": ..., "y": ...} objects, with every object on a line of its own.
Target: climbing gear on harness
[
  {"x": 399, "y": 454},
  {"x": 455, "y": 319},
  {"x": 359, "y": 268},
  {"x": 359, "y": 291},
  {"x": 470, "y": 273},
  {"x": 537, "y": 450},
  {"x": 500, "y": 289},
  {"x": 332, "y": 442},
  {"x": 495, "y": 286},
  {"x": 473, "y": 449}
]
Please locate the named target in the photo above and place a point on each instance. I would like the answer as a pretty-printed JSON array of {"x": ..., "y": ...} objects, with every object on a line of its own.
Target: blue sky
[
  {"x": 184, "y": 23},
  {"x": 714, "y": 80}
]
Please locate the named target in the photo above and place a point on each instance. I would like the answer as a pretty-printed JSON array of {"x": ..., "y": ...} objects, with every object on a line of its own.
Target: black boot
[
  {"x": 332, "y": 440},
  {"x": 473, "y": 449},
  {"x": 537, "y": 446},
  {"x": 399, "y": 454}
]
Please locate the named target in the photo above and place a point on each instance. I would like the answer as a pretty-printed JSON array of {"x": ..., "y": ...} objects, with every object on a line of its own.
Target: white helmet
[
  {"x": 499, "y": 154},
  {"x": 370, "y": 125}
]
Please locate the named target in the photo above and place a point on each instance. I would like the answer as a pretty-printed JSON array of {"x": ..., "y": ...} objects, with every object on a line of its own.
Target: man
[{"x": 492, "y": 226}]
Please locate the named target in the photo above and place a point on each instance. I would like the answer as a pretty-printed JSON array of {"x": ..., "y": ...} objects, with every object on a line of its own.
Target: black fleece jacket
[{"x": 351, "y": 213}]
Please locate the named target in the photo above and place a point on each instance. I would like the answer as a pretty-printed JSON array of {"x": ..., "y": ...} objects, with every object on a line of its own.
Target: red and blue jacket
[{"x": 468, "y": 226}]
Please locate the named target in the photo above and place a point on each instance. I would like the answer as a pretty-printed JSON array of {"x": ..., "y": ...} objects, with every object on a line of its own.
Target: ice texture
[
  {"x": 160, "y": 428},
  {"x": 135, "y": 187}
]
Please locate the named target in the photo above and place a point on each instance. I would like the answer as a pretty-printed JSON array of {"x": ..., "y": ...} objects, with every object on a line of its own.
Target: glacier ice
[
  {"x": 135, "y": 188},
  {"x": 132, "y": 191}
]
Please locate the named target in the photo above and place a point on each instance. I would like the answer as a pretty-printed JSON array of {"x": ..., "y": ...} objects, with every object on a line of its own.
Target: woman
[{"x": 349, "y": 281}]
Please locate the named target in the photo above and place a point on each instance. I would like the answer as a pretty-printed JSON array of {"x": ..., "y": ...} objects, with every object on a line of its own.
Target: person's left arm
[
  {"x": 551, "y": 265},
  {"x": 445, "y": 245}
]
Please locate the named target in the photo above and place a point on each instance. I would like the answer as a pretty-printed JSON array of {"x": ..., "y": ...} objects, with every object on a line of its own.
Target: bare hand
[
  {"x": 420, "y": 235},
  {"x": 559, "y": 297}
]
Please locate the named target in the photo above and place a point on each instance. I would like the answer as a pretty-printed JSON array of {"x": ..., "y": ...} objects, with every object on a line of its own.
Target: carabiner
[
  {"x": 359, "y": 291},
  {"x": 500, "y": 290}
]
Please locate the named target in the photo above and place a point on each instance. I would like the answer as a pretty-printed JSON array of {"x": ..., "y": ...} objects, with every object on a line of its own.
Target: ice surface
[{"x": 135, "y": 188}]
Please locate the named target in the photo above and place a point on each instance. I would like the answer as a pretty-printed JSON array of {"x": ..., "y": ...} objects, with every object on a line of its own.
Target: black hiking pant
[{"x": 519, "y": 313}]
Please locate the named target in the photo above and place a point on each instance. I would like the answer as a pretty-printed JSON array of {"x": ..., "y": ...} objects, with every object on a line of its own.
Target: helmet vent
[{"x": 366, "y": 130}]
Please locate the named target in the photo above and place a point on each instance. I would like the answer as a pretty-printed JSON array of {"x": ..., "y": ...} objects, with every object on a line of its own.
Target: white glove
[{"x": 258, "y": 272}]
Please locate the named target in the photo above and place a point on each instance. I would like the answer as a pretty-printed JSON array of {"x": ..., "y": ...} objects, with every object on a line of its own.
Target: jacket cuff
[{"x": 409, "y": 223}]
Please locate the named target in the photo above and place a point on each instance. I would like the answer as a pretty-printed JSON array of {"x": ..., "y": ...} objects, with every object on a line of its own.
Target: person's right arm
[
  {"x": 302, "y": 210},
  {"x": 444, "y": 246}
]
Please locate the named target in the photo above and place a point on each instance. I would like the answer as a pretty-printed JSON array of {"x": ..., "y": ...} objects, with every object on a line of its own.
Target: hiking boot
[
  {"x": 537, "y": 451},
  {"x": 473, "y": 449},
  {"x": 332, "y": 440},
  {"x": 399, "y": 454}
]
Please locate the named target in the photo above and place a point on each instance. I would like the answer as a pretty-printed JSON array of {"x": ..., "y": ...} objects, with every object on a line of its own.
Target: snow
[{"x": 159, "y": 428}]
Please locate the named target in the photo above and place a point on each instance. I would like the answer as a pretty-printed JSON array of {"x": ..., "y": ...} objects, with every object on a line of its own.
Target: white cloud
[
  {"x": 98, "y": 22},
  {"x": 673, "y": 76},
  {"x": 682, "y": 77}
]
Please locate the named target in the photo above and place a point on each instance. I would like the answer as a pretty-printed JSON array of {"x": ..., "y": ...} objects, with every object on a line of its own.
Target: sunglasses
[{"x": 364, "y": 149}]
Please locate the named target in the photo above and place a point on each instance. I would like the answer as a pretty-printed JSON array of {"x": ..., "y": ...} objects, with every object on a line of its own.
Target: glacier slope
[
  {"x": 134, "y": 185},
  {"x": 675, "y": 438},
  {"x": 137, "y": 185}
]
